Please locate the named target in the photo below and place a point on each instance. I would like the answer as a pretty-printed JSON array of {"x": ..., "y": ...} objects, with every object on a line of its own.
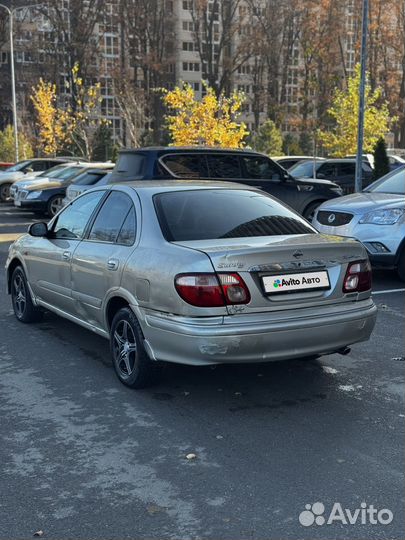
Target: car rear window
[
  {"x": 131, "y": 164},
  {"x": 89, "y": 178},
  {"x": 213, "y": 214}
]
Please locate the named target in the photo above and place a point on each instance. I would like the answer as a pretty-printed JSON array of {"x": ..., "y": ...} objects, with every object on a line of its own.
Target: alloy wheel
[
  {"x": 124, "y": 348},
  {"x": 19, "y": 296},
  {"x": 55, "y": 206}
]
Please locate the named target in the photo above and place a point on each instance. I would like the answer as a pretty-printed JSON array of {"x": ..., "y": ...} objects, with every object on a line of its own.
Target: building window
[
  {"x": 191, "y": 66},
  {"x": 188, "y": 46}
]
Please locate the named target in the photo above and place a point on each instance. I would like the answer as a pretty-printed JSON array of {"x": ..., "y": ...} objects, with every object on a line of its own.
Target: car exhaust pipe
[{"x": 344, "y": 351}]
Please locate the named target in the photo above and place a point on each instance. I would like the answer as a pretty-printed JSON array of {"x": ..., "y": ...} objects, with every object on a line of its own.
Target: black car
[
  {"x": 341, "y": 171},
  {"x": 244, "y": 166},
  {"x": 47, "y": 197}
]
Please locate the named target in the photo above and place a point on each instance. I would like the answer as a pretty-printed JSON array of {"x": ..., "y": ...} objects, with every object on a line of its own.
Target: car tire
[
  {"x": 54, "y": 205},
  {"x": 131, "y": 362},
  {"x": 5, "y": 192},
  {"x": 401, "y": 265},
  {"x": 23, "y": 306},
  {"x": 309, "y": 211}
]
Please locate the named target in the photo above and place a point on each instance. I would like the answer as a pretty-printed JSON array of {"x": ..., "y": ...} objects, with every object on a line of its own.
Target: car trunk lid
[{"x": 262, "y": 262}]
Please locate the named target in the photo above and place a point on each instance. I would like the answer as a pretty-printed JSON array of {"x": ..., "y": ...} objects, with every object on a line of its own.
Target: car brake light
[
  {"x": 358, "y": 277},
  {"x": 212, "y": 290}
]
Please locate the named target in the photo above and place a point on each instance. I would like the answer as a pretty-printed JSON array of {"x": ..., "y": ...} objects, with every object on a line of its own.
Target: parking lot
[{"x": 83, "y": 456}]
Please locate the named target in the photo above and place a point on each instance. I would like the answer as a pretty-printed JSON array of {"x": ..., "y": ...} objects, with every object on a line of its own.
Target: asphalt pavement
[{"x": 83, "y": 457}]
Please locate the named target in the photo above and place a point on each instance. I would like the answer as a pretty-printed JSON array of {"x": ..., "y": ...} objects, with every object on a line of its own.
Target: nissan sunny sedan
[{"x": 194, "y": 273}]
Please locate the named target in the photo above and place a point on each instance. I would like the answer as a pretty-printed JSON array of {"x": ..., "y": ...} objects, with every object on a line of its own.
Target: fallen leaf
[
  {"x": 186, "y": 393},
  {"x": 191, "y": 456},
  {"x": 219, "y": 437},
  {"x": 39, "y": 533}
]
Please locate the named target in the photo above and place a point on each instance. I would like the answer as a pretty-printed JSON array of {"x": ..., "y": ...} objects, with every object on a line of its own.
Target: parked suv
[
  {"x": 341, "y": 171},
  {"x": 29, "y": 167},
  {"x": 246, "y": 166}
]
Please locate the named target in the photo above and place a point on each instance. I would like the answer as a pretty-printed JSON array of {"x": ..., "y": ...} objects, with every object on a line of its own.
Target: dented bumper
[{"x": 259, "y": 337}]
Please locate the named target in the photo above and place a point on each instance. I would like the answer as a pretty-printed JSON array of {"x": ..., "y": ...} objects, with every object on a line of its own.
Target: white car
[{"x": 376, "y": 217}]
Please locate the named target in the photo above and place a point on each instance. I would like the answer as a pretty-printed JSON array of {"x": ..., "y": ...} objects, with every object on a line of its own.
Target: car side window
[
  {"x": 127, "y": 233},
  {"x": 258, "y": 167},
  {"x": 327, "y": 170},
  {"x": 110, "y": 218},
  {"x": 186, "y": 165},
  {"x": 223, "y": 166},
  {"x": 71, "y": 223},
  {"x": 346, "y": 169},
  {"x": 38, "y": 165}
]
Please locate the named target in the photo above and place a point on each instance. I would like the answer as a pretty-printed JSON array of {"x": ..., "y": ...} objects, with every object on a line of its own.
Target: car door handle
[
  {"x": 112, "y": 264},
  {"x": 66, "y": 255}
]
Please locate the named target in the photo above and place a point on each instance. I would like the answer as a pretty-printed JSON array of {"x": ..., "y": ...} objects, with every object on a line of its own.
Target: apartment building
[{"x": 194, "y": 57}]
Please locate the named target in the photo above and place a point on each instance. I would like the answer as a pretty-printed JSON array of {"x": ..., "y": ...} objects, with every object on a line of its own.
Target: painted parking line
[
  {"x": 9, "y": 237},
  {"x": 388, "y": 291}
]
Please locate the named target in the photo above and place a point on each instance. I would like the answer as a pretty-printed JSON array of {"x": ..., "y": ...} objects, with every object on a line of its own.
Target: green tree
[
  {"x": 269, "y": 139},
  {"x": 381, "y": 162},
  {"x": 7, "y": 149},
  {"x": 342, "y": 139},
  {"x": 291, "y": 146},
  {"x": 102, "y": 144}
]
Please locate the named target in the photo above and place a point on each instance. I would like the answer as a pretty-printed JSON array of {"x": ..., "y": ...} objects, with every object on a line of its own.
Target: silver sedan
[{"x": 195, "y": 273}]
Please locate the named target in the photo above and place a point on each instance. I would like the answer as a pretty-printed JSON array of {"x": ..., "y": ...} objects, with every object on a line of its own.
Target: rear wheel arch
[{"x": 114, "y": 304}]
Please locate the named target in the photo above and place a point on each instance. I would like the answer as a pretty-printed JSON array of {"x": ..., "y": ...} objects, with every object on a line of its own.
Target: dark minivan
[{"x": 244, "y": 166}]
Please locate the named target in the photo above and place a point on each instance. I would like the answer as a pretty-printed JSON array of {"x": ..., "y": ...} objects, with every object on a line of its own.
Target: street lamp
[{"x": 10, "y": 14}]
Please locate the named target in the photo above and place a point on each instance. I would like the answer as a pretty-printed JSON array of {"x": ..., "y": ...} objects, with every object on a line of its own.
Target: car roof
[
  {"x": 175, "y": 149},
  {"x": 159, "y": 186}
]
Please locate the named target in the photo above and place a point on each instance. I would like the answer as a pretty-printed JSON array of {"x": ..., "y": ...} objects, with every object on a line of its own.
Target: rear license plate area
[{"x": 295, "y": 283}]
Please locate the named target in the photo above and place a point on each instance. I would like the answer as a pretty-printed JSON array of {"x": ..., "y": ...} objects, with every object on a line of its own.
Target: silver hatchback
[{"x": 195, "y": 273}]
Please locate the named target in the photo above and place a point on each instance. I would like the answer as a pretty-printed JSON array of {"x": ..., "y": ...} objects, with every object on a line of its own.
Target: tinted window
[
  {"x": 38, "y": 166},
  {"x": 73, "y": 220},
  {"x": 305, "y": 169},
  {"x": 260, "y": 167},
  {"x": 110, "y": 218},
  {"x": 393, "y": 182},
  {"x": 223, "y": 166},
  {"x": 186, "y": 166},
  {"x": 202, "y": 215},
  {"x": 89, "y": 178},
  {"x": 327, "y": 169},
  {"x": 346, "y": 169},
  {"x": 128, "y": 230},
  {"x": 131, "y": 164}
]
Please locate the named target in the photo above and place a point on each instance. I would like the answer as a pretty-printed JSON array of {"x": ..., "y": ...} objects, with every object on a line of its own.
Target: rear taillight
[
  {"x": 358, "y": 277},
  {"x": 212, "y": 290}
]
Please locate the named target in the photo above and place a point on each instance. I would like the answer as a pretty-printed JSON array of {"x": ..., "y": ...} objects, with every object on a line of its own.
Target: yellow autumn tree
[
  {"x": 54, "y": 125},
  {"x": 74, "y": 123},
  {"x": 342, "y": 139},
  {"x": 211, "y": 121}
]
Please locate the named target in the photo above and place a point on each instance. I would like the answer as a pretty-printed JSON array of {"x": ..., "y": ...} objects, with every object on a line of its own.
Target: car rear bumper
[{"x": 259, "y": 337}]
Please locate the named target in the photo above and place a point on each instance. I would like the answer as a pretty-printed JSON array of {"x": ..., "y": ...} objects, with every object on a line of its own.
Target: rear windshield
[
  {"x": 213, "y": 214},
  {"x": 89, "y": 178}
]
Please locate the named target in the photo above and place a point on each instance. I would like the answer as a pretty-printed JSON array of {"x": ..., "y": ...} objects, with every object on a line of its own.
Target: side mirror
[
  {"x": 28, "y": 170},
  {"x": 321, "y": 175},
  {"x": 39, "y": 229}
]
